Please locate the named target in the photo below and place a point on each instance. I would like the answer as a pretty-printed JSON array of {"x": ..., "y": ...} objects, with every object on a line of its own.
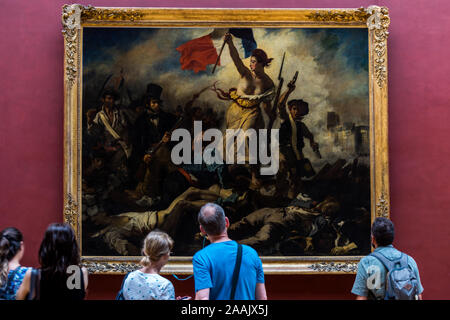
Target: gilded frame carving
[{"x": 374, "y": 18}]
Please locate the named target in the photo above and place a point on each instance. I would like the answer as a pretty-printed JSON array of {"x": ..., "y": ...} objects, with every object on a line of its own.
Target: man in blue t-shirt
[{"x": 214, "y": 265}]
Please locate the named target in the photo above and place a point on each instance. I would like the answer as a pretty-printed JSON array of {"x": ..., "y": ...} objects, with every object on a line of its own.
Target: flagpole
[{"x": 218, "y": 57}]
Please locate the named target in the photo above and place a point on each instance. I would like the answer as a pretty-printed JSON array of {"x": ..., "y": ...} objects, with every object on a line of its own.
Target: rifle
[
  {"x": 153, "y": 150},
  {"x": 277, "y": 96}
]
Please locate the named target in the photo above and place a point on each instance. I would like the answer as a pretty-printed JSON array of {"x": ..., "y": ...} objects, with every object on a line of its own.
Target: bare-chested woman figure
[{"x": 255, "y": 89}]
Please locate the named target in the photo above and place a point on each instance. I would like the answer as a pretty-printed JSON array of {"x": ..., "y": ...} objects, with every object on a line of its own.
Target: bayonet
[
  {"x": 277, "y": 96},
  {"x": 281, "y": 68}
]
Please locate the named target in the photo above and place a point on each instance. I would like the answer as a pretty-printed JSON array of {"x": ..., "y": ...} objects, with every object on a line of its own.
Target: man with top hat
[{"x": 151, "y": 128}]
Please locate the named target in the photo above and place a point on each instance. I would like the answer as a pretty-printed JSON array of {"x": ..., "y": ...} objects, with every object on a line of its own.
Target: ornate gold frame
[{"x": 374, "y": 18}]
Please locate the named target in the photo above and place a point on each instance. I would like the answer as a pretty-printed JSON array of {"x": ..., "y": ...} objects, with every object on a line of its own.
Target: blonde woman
[{"x": 146, "y": 283}]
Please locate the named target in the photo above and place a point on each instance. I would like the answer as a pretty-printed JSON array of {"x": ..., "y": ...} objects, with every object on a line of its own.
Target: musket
[
  {"x": 281, "y": 80},
  {"x": 160, "y": 143},
  {"x": 281, "y": 68},
  {"x": 277, "y": 96},
  {"x": 103, "y": 86}
]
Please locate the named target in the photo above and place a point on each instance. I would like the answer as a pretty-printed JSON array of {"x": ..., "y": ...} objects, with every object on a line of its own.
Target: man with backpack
[{"x": 386, "y": 273}]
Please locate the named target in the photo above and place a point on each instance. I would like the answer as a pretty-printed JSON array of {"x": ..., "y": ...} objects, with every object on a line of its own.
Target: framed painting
[{"x": 279, "y": 116}]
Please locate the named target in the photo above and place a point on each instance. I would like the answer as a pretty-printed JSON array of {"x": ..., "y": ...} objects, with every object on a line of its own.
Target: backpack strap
[
  {"x": 236, "y": 271},
  {"x": 403, "y": 261},
  {"x": 388, "y": 264}
]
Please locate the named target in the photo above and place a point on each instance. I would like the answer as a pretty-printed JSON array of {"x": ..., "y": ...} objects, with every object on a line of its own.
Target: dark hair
[
  {"x": 213, "y": 223},
  {"x": 383, "y": 231},
  {"x": 147, "y": 98},
  {"x": 110, "y": 92},
  {"x": 261, "y": 57},
  {"x": 302, "y": 106},
  {"x": 59, "y": 249},
  {"x": 10, "y": 239}
]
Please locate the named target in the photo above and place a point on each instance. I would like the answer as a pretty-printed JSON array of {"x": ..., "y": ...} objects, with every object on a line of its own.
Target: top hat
[{"x": 154, "y": 91}]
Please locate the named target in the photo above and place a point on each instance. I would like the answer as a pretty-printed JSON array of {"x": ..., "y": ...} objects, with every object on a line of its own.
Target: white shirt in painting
[{"x": 147, "y": 286}]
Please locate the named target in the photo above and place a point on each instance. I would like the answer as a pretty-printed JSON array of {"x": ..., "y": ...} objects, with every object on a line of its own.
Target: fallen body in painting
[{"x": 123, "y": 226}]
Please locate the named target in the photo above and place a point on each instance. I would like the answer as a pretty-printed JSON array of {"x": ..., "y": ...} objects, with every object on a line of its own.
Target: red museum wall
[{"x": 31, "y": 134}]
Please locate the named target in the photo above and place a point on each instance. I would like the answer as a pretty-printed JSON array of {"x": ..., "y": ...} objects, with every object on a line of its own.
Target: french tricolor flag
[{"x": 196, "y": 54}]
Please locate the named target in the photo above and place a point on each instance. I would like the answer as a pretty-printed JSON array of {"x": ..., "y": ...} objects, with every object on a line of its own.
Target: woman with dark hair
[
  {"x": 60, "y": 276},
  {"x": 11, "y": 272}
]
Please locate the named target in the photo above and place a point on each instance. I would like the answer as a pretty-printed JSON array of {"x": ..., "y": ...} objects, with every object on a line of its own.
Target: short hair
[
  {"x": 213, "y": 223},
  {"x": 383, "y": 231},
  {"x": 111, "y": 92},
  {"x": 156, "y": 244},
  {"x": 147, "y": 98}
]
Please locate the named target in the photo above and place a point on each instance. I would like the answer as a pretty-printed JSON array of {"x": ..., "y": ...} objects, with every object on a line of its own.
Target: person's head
[
  {"x": 153, "y": 97},
  {"x": 156, "y": 249},
  {"x": 154, "y": 104},
  {"x": 109, "y": 97},
  {"x": 11, "y": 246},
  {"x": 259, "y": 60},
  {"x": 59, "y": 249},
  {"x": 382, "y": 232},
  {"x": 212, "y": 220},
  {"x": 298, "y": 108}
]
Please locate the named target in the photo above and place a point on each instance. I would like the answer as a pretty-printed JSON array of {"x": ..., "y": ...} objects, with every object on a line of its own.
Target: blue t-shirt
[
  {"x": 369, "y": 265},
  {"x": 214, "y": 266}
]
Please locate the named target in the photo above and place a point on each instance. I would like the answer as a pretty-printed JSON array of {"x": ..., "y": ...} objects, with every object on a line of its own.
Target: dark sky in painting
[{"x": 98, "y": 41}]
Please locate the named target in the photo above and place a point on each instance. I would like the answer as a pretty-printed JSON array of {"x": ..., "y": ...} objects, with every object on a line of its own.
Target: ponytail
[
  {"x": 4, "y": 248},
  {"x": 10, "y": 240}
]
